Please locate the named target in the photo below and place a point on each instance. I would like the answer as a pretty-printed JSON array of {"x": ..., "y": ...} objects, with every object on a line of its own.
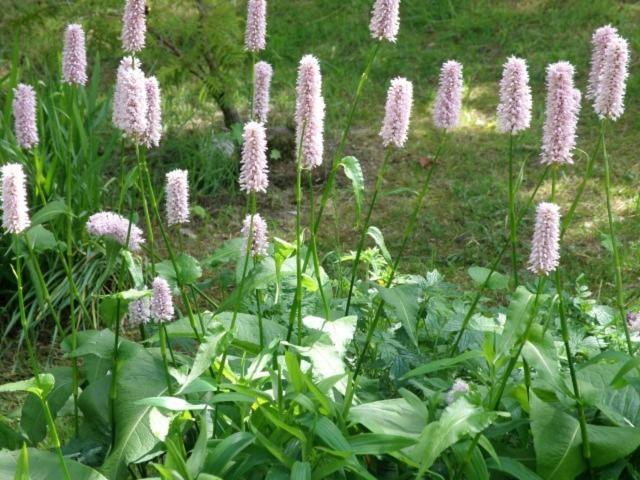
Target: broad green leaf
[
  {"x": 141, "y": 376},
  {"x": 497, "y": 281},
  {"x": 353, "y": 171},
  {"x": 211, "y": 345},
  {"x": 40, "y": 386},
  {"x": 135, "y": 269},
  {"x": 457, "y": 421},
  {"x": 50, "y": 211},
  {"x": 41, "y": 239},
  {"x": 378, "y": 443},
  {"x": 394, "y": 417},
  {"x": 247, "y": 330},
  {"x": 402, "y": 303},
  {"x": 171, "y": 403},
  {"x": 219, "y": 458},
  {"x": 512, "y": 467},
  {"x": 326, "y": 362},
  {"x": 375, "y": 233},
  {"x": 442, "y": 364},
  {"x": 517, "y": 316},
  {"x": 540, "y": 352},
  {"x": 188, "y": 267},
  {"x": 196, "y": 460},
  {"x": 113, "y": 307},
  {"x": 339, "y": 331},
  {"x": 33, "y": 420},
  {"x": 44, "y": 465},
  {"x": 228, "y": 252},
  {"x": 301, "y": 471}
]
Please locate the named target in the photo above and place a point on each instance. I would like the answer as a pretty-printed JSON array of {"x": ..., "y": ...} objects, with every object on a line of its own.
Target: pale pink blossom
[
  {"x": 177, "y": 197},
  {"x": 259, "y": 235},
  {"x": 310, "y": 112},
  {"x": 599, "y": 42},
  {"x": 139, "y": 311},
  {"x": 15, "y": 210},
  {"x": 446, "y": 110},
  {"x": 514, "y": 109},
  {"x": 395, "y": 127},
  {"x": 134, "y": 26},
  {"x": 161, "y": 301},
  {"x": 262, "y": 74},
  {"x": 24, "y": 114},
  {"x": 254, "y": 169},
  {"x": 545, "y": 245},
  {"x": 74, "y": 56},
  {"x": 613, "y": 80},
  {"x": 561, "y": 115},
  {"x": 117, "y": 228},
  {"x": 256, "y": 31},
  {"x": 153, "y": 133},
  {"x": 385, "y": 20},
  {"x": 130, "y": 107},
  {"x": 459, "y": 387}
]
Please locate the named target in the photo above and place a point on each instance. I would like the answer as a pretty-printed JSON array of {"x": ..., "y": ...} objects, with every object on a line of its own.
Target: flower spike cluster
[
  {"x": 459, "y": 387},
  {"x": 15, "y": 211},
  {"x": 24, "y": 114},
  {"x": 545, "y": 245},
  {"x": 254, "y": 169},
  {"x": 139, "y": 311},
  {"x": 130, "y": 106},
  {"x": 385, "y": 20},
  {"x": 161, "y": 301},
  {"x": 395, "y": 127},
  {"x": 153, "y": 133},
  {"x": 609, "y": 102},
  {"x": 177, "y": 197},
  {"x": 259, "y": 235},
  {"x": 256, "y": 31},
  {"x": 134, "y": 26},
  {"x": 262, "y": 74},
  {"x": 446, "y": 111},
  {"x": 514, "y": 109},
  {"x": 74, "y": 56},
  {"x": 117, "y": 228},
  {"x": 561, "y": 115},
  {"x": 310, "y": 112},
  {"x": 599, "y": 42}
]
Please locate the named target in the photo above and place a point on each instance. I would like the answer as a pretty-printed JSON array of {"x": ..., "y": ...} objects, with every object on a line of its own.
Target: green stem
[
  {"x": 163, "y": 352},
  {"x": 55, "y": 439},
  {"x": 365, "y": 225},
  {"x": 614, "y": 242},
  {"x": 512, "y": 217},
  {"x": 260, "y": 326},
  {"x": 405, "y": 240},
  {"x": 299, "y": 244},
  {"x": 586, "y": 447},
  {"x": 314, "y": 253},
  {"x": 113, "y": 390},
  {"x": 494, "y": 266}
]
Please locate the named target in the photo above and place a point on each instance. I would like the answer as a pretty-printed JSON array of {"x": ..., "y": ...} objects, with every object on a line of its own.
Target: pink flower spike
[
  {"x": 117, "y": 228},
  {"x": 514, "y": 109},
  {"x": 446, "y": 110},
  {"x": 177, "y": 197},
  {"x": 259, "y": 235},
  {"x": 24, "y": 114},
  {"x": 613, "y": 80},
  {"x": 130, "y": 107},
  {"x": 153, "y": 132},
  {"x": 459, "y": 388},
  {"x": 134, "y": 26},
  {"x": 161, "y": 301},
  {"x": 395, "y": 127},
  {"x": 15, "y": 211},
  {"x": 599, "y": 43},
  {"x": 254, "y": 169},
  {"x": 262, "y": 74},
  {"x": 256, "y": 31},
  {"x": 74, "y": 56},
  {"x": 310, "y": 112},
  {"x": 139, "y": 311},
  {"x": 545, "y": 245},
  {"x": 561, "y": 115},
  {"x": 385, "y": 20}
]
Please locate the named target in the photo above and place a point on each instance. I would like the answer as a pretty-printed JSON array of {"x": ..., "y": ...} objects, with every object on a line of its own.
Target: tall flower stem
[
  {"x": 365, "y": 226},
  {"x": 298, "y": 303},
  {"x": 614, "y": 242},
  {"x": 408, "y": 231},
  {"x": 55, "y": 439},
  {"x": 314, "y": 252},
  {"x": 494, "y": 266},
  {"x": 512, "y": 217},
  {"x": 163, "y": 353},
  {"x": 335, "y": 166},
  {"x": 586, "y": 447},
  {"x": 245, "y": 270},
  {"x": 495, "y": 397}
]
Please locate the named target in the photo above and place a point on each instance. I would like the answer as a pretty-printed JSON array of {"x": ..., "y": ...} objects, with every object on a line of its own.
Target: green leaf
[
  {"x": 540, "y": 352},
  {"x": 512, "y": 467},
  {"x": 33, "y": 420},
  {"x": 301, "y": 471},
  {"x": 459, "y": 419},
  {"x": 188, "y": 268},
  {"x": 171, "y": 403},
  {"x": 353, "y": 171},
  {"x": 49, "y": 212},
  {"x": 442, "y": 364},
  {"x": 228, "y": 252},
  {"x": 196, "y": 460},
  {"x": 247, "y": 330},
  {"x": 41, "y": 239},
  {"x": 375, "y": 233},
  {"x": 44, "y": 465},
  {"x": 403, "y": 303},
  {"x": 497, "y": 281},
  {"x": 517, "y": 316},
  {"x": 135, "y": 269},
  {"x": 207, "y": 352},
  {"x": 40, "y": 386},
  {"x": 141, "y": 376},
  {"x": 378, "y": 443},
  {"x": 219, "y": 459}
]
